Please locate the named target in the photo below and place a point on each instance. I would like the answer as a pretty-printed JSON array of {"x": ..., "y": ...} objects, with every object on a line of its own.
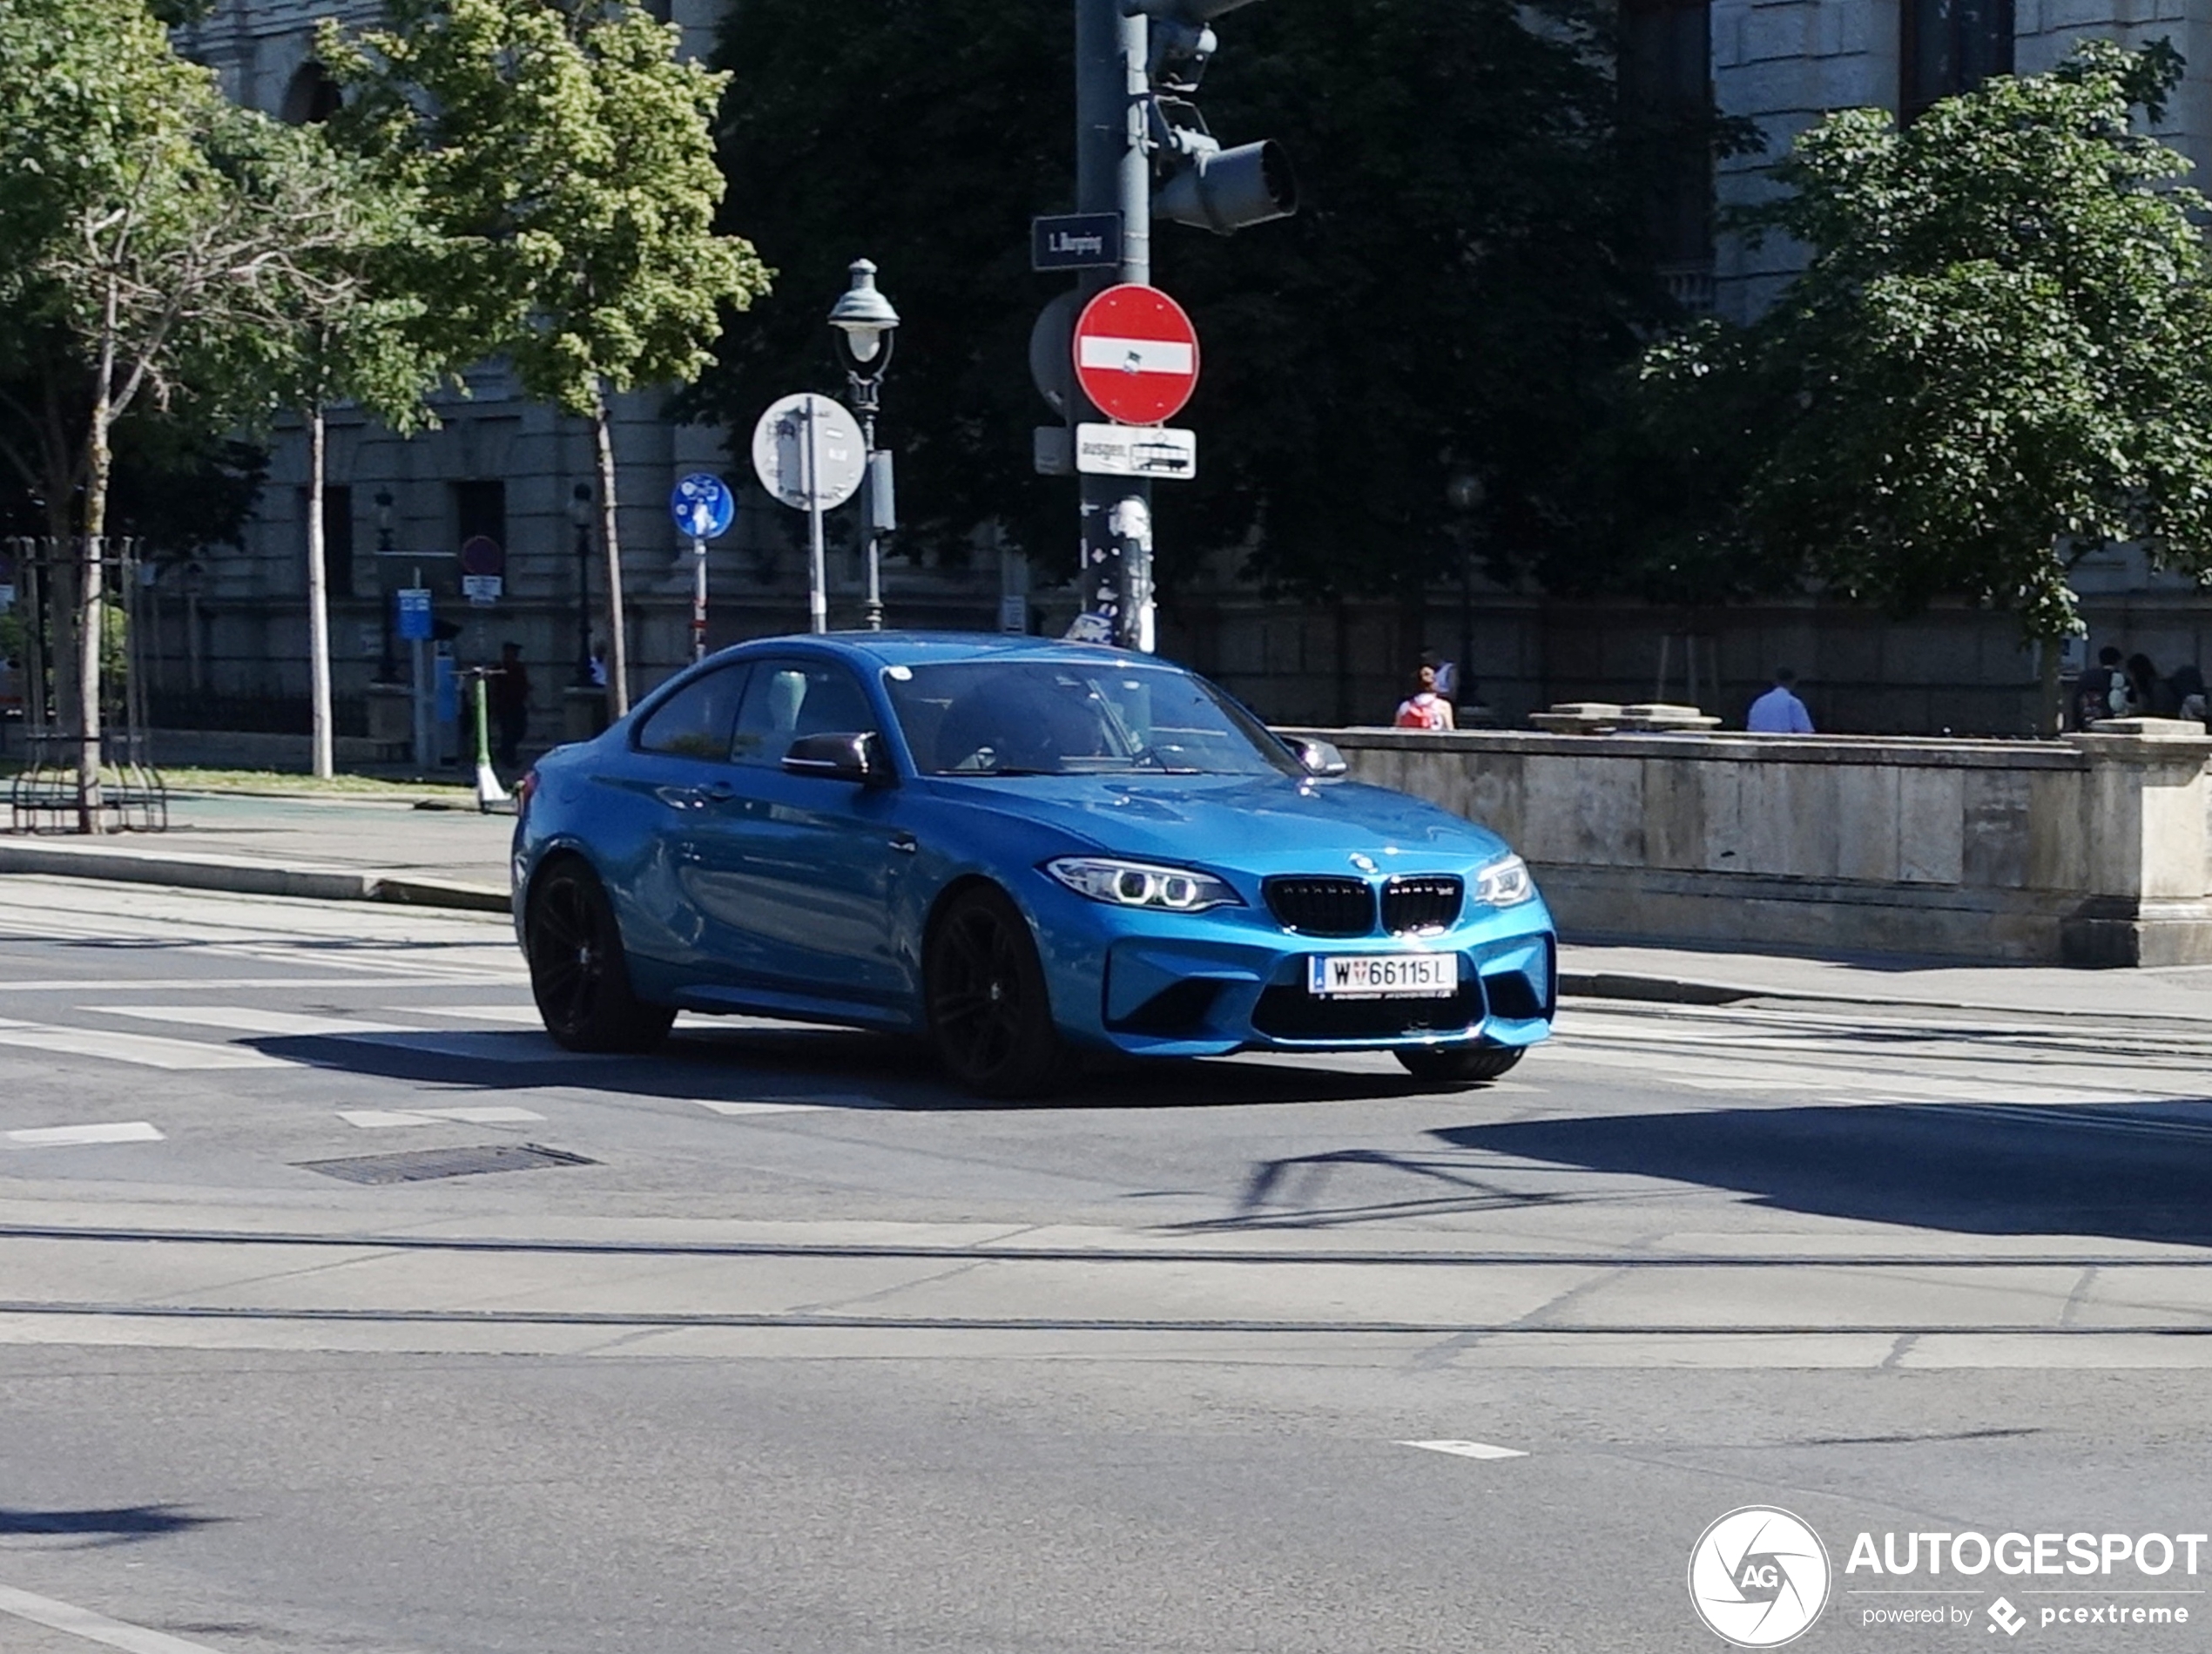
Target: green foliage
[
  {"x": 563, "y": 165},
  {"x": 1998, "y": 359},
  {"x": 1451, "y": 295}
]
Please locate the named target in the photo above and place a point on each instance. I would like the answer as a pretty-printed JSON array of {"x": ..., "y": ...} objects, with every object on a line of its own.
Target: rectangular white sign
[
  {"x": 1136, "y": 450},
  {"x": 1136, "y": 355}
]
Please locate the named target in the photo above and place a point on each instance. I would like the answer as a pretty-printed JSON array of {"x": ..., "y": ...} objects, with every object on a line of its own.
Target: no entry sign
[{"x": 1136, "y": 355}]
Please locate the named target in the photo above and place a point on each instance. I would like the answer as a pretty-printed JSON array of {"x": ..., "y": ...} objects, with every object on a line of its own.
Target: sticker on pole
[
  {"x": 807, "y": 452},
  {"x": 703, "y": 506},
  {"x": 1136, "y": 355}
]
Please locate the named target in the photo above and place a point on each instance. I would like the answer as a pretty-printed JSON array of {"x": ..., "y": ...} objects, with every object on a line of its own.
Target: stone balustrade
[{"x": 2089, "y": 850}]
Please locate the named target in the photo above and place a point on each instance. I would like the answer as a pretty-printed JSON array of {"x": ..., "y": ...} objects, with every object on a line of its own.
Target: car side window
[
  {"x": 789, "y": 698},
  {"x": 697, "y": 720}
]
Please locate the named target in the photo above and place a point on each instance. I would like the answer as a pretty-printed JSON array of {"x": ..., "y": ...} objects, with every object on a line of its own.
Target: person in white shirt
[{"x": 1778, "y": 712}]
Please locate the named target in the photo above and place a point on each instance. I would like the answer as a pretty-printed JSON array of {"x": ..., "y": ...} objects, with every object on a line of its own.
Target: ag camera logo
[{"x": 1758, "y": 1577}]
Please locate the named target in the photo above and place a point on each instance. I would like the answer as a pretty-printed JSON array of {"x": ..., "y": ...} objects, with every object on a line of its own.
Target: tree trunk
[
  {"x": 610, "y": 534},
  {"x": 91, "y": 610},
  {"x": 2050, "y": 711},
  {"x": 324, "y": 761}
]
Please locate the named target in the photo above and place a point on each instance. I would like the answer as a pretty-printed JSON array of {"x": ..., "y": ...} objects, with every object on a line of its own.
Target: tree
[
  {"x": 1998, "y": 360},
  {"x": 1455, "y": 293},
  {"x": 152, "y": 254},
  {"x": 355, "y": 333},
  {"x": 564, "y": 156}
]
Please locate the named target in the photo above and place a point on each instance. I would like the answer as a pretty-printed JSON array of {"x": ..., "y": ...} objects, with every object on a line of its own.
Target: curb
[{"x": 240, "y": 877}]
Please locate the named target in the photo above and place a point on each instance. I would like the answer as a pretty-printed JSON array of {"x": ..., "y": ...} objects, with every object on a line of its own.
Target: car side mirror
[
  {"x": 1319, "y": 757},
  {"x": 855, "y": 757}
]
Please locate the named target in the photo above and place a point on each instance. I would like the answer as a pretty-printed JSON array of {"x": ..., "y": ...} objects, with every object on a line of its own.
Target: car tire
[
  {"x": 990, "y": 1014},
  {"x": 579, "y": 974},
  {"x": 1459, "y": 1064}
]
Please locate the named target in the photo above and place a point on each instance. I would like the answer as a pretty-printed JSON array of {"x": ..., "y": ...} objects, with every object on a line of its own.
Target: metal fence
[{"x": 45, "y": 796}]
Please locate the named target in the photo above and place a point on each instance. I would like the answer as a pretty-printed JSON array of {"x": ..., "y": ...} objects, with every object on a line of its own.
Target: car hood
[{"x": 1264, "y": 823}]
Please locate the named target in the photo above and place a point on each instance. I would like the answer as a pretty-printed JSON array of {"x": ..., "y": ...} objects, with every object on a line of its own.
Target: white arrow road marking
[
  {"x": 1467, "y": 1449},
  {"x": 1136, "y": 355},
  {"x": 93, "y": 1628},
  {"x": 52, "y": 1137}
]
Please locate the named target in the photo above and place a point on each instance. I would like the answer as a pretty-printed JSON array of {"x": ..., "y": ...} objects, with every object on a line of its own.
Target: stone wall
[{"x": 2092, "y": 850}]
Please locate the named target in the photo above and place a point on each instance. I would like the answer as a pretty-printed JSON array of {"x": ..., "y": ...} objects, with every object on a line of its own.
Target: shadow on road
[
  {"x": 125, "y": 1526},
  {"x": 2126, "y": 1171},
  {"x": 828, "y": 1066}
]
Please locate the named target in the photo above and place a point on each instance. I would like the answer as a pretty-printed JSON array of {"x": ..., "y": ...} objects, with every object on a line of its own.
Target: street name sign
[
  {"x": 807, "y": 452},
  {"x": 1136, "y": 450},
  {"x": 1135, "y": 354},
  {"x": 703, "y": 506},
  {"x": 1076, "y": 241}
]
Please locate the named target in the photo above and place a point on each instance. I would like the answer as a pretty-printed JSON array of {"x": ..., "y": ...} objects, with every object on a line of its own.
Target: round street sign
[
  {"x": 703, "y": 506},
  {"x": 482, "y": 555},
  {"x": 1136, "y": 355},
  {"x": 807, "y": 452}
]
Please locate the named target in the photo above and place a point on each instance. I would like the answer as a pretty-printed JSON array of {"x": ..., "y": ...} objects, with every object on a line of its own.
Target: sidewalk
[{"x": 378, "y": 850}]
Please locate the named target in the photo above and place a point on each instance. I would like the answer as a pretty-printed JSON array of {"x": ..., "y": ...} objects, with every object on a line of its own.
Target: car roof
[{"x": 935, "y": 648}]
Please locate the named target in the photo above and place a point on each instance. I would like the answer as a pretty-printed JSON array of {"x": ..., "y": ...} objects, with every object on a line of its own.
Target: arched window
[
  {"x": 312, "y": 98},
  {"x": 1951, "y": 46}
]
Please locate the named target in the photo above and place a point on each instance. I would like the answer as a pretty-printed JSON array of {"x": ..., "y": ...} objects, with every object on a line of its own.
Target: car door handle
[
  {"x": 720, "y": 793},
  {"x": 905, "y": 843}
]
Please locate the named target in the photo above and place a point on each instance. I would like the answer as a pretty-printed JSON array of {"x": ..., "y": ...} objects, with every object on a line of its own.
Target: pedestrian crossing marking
[
  {"x": 382, "y": 1119},
  {"x": 252, "y": 1020},
  {"x": 54, "y": 1137},
  {"x": 143, "y": 1051}
]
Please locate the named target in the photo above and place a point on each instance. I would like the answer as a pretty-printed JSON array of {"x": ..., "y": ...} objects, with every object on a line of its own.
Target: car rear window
[{"x": 695, "y": 722}]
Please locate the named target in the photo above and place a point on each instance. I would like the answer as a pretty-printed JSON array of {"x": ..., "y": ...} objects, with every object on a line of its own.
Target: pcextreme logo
[{"x": 1758, "y": 1577}]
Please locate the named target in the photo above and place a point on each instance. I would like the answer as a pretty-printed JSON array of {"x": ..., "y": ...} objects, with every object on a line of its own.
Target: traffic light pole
[{"x": 1113, "y": 174}]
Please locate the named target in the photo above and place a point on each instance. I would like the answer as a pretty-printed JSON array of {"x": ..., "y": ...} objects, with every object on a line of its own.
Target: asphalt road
[{"x": 769, "y": 1343}]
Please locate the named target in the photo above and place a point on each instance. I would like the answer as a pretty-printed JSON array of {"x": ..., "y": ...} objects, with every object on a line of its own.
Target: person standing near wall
[
  {"x": 509, "y": 694},
  {"x": 1779, "y": 711},
  {"x": 1425, "y": 708}
]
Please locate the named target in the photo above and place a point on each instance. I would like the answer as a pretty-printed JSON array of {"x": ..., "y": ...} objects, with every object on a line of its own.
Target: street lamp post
[
  {"x": 864, "y": 322},
  {"x": 580, "y": 518},
  {"x": 388, "y": 665}
]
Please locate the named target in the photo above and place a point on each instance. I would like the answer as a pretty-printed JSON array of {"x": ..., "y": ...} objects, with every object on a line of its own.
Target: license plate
[{"x": 1383, "y": 976}]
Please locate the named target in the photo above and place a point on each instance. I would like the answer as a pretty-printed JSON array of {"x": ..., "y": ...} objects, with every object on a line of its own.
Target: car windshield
[{"x": 1054, "y": 717}]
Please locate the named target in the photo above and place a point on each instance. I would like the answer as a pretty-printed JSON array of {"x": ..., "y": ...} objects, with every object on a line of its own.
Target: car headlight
[
  {"x": 1141, "y": 884},
  {"x": 1504, "y": 883}
]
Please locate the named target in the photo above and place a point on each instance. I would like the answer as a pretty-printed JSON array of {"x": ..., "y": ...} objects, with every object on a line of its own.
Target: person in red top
[{"x": 1425, "y": 708}]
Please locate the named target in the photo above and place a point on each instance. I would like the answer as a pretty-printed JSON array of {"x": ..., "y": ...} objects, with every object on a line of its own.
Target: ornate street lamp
[{"x": 864, "y": 322}]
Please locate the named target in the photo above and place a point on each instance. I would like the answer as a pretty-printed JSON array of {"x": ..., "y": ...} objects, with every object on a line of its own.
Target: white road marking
[
  {"x": 144, "y": 1049},
  {"x": 247, "y": 1019},
  {"x": 93, "y": 1628},
  {"x": 1467, "y": 1449},
  {"x": 43, "y": 1137},
  {"x": 378, "y": 1119},
  {"x": 485, "y": 1046},
  {"x": 758, "y": 1107},
  {"x": 519, "y": 1016}
]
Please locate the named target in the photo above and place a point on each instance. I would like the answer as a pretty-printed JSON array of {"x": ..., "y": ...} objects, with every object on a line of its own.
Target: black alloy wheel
[
  {"x": 990, "y": 1016},
  {"x": 1460, "y": 1065},
  {"x": 579, "y": 973}
]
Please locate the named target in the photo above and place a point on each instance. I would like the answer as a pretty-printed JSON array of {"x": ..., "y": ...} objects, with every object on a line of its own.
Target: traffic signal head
[{"x": 1228, "y": 190}]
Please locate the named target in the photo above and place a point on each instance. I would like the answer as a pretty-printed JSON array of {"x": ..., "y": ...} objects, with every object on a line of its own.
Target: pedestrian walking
[
  {"x": 1779, "y": 711},
  {"x": 1425, "y": 708},
  {"x": 2146, "y": 690},
  {"x": 2093, "y": 693},
  {"x": 2186, "y": 688},
  {"x": 509, "y": 693}
]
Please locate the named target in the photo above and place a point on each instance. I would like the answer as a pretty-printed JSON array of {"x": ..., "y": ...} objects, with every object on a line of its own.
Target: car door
[
  {"x": 801, "y": 866},
  {"x": 678, "y": 768}
]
